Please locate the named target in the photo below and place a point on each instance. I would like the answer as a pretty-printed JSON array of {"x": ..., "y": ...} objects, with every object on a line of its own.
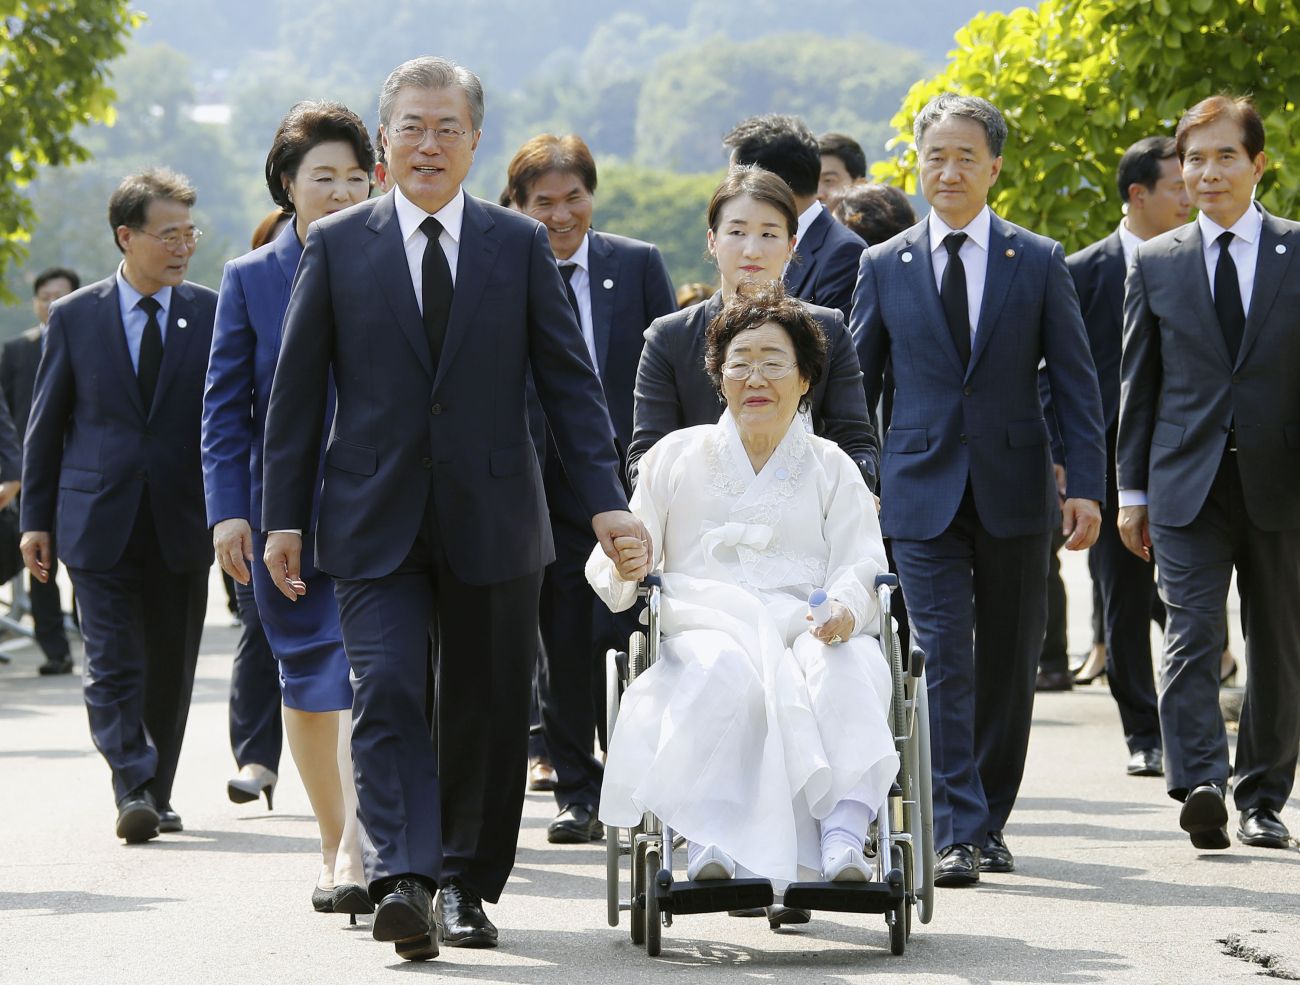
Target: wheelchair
[{"x": 900, "y": 846}]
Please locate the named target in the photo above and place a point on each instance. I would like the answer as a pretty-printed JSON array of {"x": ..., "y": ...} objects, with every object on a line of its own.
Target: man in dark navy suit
[
  {"x": 617, "y": 287},
  {"x": 967, "y": 305},
  {"x": 111, "y": 472},
  {"x": 427, "y": 308},
  {"x": 826, "y": 253}
]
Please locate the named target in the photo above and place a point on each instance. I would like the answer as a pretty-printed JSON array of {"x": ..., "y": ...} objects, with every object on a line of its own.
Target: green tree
[
  {"x": 1081, "y": 80},
  {"x": 53, "y": 78}
]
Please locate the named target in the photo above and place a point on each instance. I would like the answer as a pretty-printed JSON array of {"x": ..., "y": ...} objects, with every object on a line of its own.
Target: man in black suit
[
  {"x": 843, "y": 164},
  {"x": 1208, "y": 460},
  {"x": 111, "y": 473},
  {"x": 18, "y": 361},
  {"x": 427, "y": 308},
  {"x": 826, "y": 253},
  {"x": 1150, "y": 181},
  {"x": 616, "y": 286}
]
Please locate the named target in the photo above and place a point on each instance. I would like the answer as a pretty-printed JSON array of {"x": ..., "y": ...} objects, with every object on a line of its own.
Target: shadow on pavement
[{"x": 56, "y": 903}]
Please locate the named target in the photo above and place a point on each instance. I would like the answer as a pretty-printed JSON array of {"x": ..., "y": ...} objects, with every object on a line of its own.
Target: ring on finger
[{"x": 835, "y": 640}]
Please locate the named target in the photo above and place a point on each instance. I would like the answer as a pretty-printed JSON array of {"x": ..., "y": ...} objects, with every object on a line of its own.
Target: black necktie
[
  {"x": 952, "y": 292},
  {"x": 151, "y": 351},
  {"x": 566, "y": 270},
  {"x": 435, "y": 287},
  {"x": 1227, "y": 298}
]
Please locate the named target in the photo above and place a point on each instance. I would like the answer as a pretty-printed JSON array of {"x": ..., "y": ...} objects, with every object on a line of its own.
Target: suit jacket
[
  {"x": 630, "y": 288},
  {"x": 18, "y": 361},
  {"x": 1098, "y": 272},
  {"x": 405, "y": 437},
  {"x": 1181, "y": 392},
  {"x": 11, "y": 449},
  {"x": 825, "y": 264},
  {"x": 673, "y": 391},
  {"x": 245, "y": 344},
  {"x": 983, "y": 424},
  {"x": 91, "y": 446}
]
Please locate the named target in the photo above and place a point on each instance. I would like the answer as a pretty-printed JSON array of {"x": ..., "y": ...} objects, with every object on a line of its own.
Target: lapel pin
[
  {"x": 1280, "y": 248},
  {"x": 1011, "y": 252},
  {"x": 608, "y": 284},
  {"x": 181, "y": 323},
  {"x": 906, "y": 258}
]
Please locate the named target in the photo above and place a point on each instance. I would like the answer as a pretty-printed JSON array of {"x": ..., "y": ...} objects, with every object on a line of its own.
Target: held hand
[
  {"x": 37, "y": 555},
  {"x": 1135, "y": 530},
  {"x": 1080, "y": 523},
  {"x": 283, "y": 559},
  {"x": 633, "y": 560},
  {"x": 836, "y": 629},
  {"x": 619, "y": 523},
  {"x": 1059, "y": 472},
  {"x": 233, "y": 541},
  {"x": 8, "y": 490}
]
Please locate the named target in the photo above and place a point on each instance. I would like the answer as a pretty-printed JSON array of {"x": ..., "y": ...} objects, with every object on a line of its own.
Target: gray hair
[
  {"x": 430, "y": 72},
  {"x": 973, "y": 108}
]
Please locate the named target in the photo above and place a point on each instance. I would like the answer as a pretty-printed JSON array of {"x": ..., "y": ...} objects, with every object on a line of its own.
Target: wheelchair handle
[{"x": 887, "y": 578}]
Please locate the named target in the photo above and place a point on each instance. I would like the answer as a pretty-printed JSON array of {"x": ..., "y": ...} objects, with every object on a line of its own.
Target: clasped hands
[{"x": 626, "y": 542}]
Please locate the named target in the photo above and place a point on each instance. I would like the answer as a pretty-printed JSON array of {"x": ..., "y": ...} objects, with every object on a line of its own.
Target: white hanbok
[{"x": 748, "y": 730}]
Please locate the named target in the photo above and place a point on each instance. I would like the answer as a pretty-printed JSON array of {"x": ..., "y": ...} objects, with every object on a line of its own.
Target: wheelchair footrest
[
  {"x": 715, "y": 896},
  {"x": 844, "y": 897}
]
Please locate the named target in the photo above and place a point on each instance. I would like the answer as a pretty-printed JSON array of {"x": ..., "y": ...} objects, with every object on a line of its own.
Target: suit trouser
[
  {"x": 256, "y": 729},
  {"x": 453, "y": 811},
  {"x": 1055, "y": 639},
  {"x": 142, "y": 624},
  {"x": 978, "y": 605},
  {"x": 1127, "y": 586},
  {"x": 1195, "y": 570}
]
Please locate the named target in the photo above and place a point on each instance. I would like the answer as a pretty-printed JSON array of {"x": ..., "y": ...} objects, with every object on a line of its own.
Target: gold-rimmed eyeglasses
[
  {"x": 410, "y": 135},
  {"x": 175, "y": 240}
]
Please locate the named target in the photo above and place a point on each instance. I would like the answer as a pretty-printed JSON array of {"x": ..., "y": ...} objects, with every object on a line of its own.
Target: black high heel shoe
[
  {"x": 1099, "y": 676},
  {"x": 352, "y": 899},
  {"x": 322, "y": 900}
]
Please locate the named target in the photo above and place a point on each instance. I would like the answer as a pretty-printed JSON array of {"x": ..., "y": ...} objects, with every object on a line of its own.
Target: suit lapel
[
  {"x": 180, "y": 331},
  {"x": 603, "y": 267},
  {"x": 288, "y": 251},
  {"x": 1194, "y": 284},
  {"x": 114, "y": 335},
  {"x": 478, "y": 249},
  {"x": 387, "y": 255},
  {"x": 918, "y": 271},
  {"x": 1112, "y": 273},
  {"x": 1270, "y": 267},
  {"x": 1003, "y": 262},
  {"x": 801, "y": 265}
]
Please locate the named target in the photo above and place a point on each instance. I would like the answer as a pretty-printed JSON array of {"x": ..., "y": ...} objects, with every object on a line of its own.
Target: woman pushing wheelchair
[{"x": 758, "y": 735}]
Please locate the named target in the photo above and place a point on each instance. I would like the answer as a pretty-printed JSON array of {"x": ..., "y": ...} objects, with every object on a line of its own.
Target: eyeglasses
[
  {"x": 409, "y": 135},
  {"x": 173, "y": 241},
  {"x": 771, "y": 369}
]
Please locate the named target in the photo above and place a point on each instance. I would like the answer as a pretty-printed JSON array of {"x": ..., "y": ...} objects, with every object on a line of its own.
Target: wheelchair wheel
[
  {"x": 897, "y": 930},
  {"x": 898, "y": 710},
  {"x": 924, "y": 861},
  {"x": 638, "y": 651},
  {"x": 653, "y": 923},
  {"x": 639, "y": 891},
  {"x": 903, "y": 862},
  {"x": 613, "y": 847}
]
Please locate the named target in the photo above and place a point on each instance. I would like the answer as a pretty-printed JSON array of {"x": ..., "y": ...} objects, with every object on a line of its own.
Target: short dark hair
[
  {"x": 754, "y": 307},
  {"x": 875, "y": 212},
  {"x": 129, "y": 204},
  {"x": 848, "y": 150},
  {"x": 545, "y": 154},
  {"x": 972, "y": 108},
  {"x": 1240, "y": 110},
  {"x": 1140, "y": 164},
  {"x": 762, "y": 186},
  {"x": 781, "y": 144},
  {"x": 55, "y": 273},
  {"x": 309, "y": 124}
]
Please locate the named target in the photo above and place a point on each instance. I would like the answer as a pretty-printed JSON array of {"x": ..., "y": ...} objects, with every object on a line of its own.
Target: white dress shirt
[
  {"x": 974, "y": 255},
  {"x": 409, "y": 217},
  {"x": 1129, "y": 242},
  {"x": 1244, "y": 251},
  {"x": 581, "y": 283}
]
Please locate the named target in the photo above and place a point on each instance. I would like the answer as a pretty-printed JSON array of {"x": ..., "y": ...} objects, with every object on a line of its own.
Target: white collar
[
  {"x": 580, "y": 256},
  {"x": 978, "y": 229},
  {"x": 131, "y": 297},
  {"x": 806, "y": 219},
  {"x": 1129, "y": 241},
  {"x": 410, "y": 215},
  {"x": 1246, "y": 228}
]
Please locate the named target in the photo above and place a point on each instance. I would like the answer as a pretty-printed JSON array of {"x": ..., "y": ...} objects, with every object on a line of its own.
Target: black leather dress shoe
[
  {"x": 1146, "y": 762},
  {"x": 1262, "y": 828},
  {"x": 460, "y": 919},
  {"x": 1054, "y": 680},
  {"x": 577, "y": 824},
  {"x": 995, "y": 856},
  {"x": 958, "y": 865},
  {"x": 169, "y": 822},
  {"x": 1205, "y": 817},
  {"x": 405, "y": 917},
  {"x": 137, "y": 817},
  {"x": 55, "y": 666}
]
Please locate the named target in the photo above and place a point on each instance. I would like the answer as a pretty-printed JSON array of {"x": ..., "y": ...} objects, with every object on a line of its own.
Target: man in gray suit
[{"x": 1208, "y": 458}]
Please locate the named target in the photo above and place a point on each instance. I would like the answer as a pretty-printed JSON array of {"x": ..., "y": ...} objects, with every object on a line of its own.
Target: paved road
[{"x": 1108, "y": 889}]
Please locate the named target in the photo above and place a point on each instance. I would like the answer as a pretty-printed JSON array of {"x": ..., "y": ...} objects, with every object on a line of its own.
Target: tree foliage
[
  {"x": 1081, "y": 80},
  {"x": 52, "y": 79}
]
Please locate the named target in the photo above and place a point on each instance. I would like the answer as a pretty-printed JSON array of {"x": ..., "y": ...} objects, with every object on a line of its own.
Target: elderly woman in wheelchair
[{"x": 759, "y": 735}]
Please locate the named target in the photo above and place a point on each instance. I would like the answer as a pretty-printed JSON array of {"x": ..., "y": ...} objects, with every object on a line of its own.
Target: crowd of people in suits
[{"x": 405, "y": 420}]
